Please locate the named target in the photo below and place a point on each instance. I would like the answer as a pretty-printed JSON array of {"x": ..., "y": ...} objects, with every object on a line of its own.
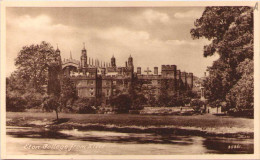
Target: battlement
[
  {"x": 168, "y": 67},
  {"x": 190, "y": 75},
  {"x": 183, "y": 74}
]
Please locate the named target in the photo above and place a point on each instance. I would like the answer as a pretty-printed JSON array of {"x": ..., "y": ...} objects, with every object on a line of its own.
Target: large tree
[
  {"x": 38, "y": 68},
  {"x": 32, "y": 64},
  {"x": 230, "y": 30}
]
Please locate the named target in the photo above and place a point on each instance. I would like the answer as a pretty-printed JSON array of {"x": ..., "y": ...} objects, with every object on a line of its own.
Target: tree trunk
[{"x": 56, "y": 110}]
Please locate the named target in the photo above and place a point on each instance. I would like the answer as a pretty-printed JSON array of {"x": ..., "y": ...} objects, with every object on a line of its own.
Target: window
[{"x": 107, "y": 92}]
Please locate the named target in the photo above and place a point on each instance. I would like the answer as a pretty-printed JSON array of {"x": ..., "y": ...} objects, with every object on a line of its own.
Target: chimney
[
  {"x": 156, "y": 70},
  {"x": 138, "y": 70}
]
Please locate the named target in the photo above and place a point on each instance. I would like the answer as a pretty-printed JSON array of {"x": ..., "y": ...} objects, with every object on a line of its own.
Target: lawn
[{"x": 201, "y": 121}]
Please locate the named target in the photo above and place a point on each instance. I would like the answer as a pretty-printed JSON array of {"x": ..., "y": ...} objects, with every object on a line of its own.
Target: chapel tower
[{"x": 83, "y": 59}]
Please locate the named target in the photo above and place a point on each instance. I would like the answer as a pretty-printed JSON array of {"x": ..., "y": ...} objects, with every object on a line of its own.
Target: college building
[{"x": 96, "y": 79}]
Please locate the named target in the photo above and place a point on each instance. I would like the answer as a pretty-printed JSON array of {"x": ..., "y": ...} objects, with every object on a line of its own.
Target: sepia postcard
[{"x": 130, "y": 80}]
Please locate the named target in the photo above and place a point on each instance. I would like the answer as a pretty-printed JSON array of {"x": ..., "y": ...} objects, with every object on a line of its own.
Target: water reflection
[{"x": 132, "y": 143}]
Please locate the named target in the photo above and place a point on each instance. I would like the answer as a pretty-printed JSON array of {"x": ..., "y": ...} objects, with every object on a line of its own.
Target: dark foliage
[
  {"x": 122, "y": 103},
  {"x": 230, "y": 30}
]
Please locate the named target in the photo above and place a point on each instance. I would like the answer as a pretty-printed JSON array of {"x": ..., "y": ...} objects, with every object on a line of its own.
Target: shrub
[
  {"x": 14, "y": 102},
  {"x": 196, "y": 104},
  {"x": 84, "y": 105},
  {"x": 122, "y": 103}
]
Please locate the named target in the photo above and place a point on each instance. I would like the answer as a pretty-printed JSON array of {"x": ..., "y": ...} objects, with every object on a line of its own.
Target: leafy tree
[
  {"x": 38, "y": 68},
  {"x": 230, "y": 30},
  {"x": 14, "y": 83},
  {"x": 241, "y": 95},
  {"x": 19, "y": 96},
  {"x": 68, "y": 91},
  {"x": 33, "y": 98},
  {"x": 53, "y": 101},
  {"x": 164, "y": 98},
  {"x": 14, "y": 102},
  {"x": 136, "y": 94},
  {"x": 32, "y": 63}
]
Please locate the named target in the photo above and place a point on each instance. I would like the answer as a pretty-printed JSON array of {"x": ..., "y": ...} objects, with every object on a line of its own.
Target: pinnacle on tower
[
  {"x": 70, "y": 55},
  {"x": 84, "y": 48},
  {"x": 57, "y": 50}
]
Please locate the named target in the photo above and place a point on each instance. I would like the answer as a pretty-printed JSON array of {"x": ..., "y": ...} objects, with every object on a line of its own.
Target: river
[{"x": 43, "y": 141}]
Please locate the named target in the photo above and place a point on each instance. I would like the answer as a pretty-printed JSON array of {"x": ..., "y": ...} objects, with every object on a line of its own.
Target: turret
[
  {"x": 113, "y": 61},
  {"x": 169, "y": 71},
  {"x": 83, "y": 59},
  {"x": 130, "y": 61},
  {"x": 58, "y": 55}
]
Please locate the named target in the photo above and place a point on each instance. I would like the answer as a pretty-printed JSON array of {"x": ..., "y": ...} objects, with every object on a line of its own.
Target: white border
[{"x": 5, "y": 4}]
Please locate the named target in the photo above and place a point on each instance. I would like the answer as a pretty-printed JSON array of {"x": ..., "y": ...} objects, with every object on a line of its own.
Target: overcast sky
[{"x": 153, "y": 36}]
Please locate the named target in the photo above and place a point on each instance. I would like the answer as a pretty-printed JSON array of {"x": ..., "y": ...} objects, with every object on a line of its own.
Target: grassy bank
[{"x": 208, "y": 124}]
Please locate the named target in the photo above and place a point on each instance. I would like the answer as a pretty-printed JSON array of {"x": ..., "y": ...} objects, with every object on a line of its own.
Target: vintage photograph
[{"x": 129, "y": 80}]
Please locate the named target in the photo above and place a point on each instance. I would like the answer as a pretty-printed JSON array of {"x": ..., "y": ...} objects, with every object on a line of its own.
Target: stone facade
[{"x": 96, "y": 79}]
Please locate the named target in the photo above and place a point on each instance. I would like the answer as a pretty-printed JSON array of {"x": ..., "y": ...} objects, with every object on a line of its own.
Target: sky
[{"x": 153, "y": 36}]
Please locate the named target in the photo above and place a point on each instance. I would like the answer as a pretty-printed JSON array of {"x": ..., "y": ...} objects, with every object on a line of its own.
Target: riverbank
[{"x": 203, "y": 125}]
